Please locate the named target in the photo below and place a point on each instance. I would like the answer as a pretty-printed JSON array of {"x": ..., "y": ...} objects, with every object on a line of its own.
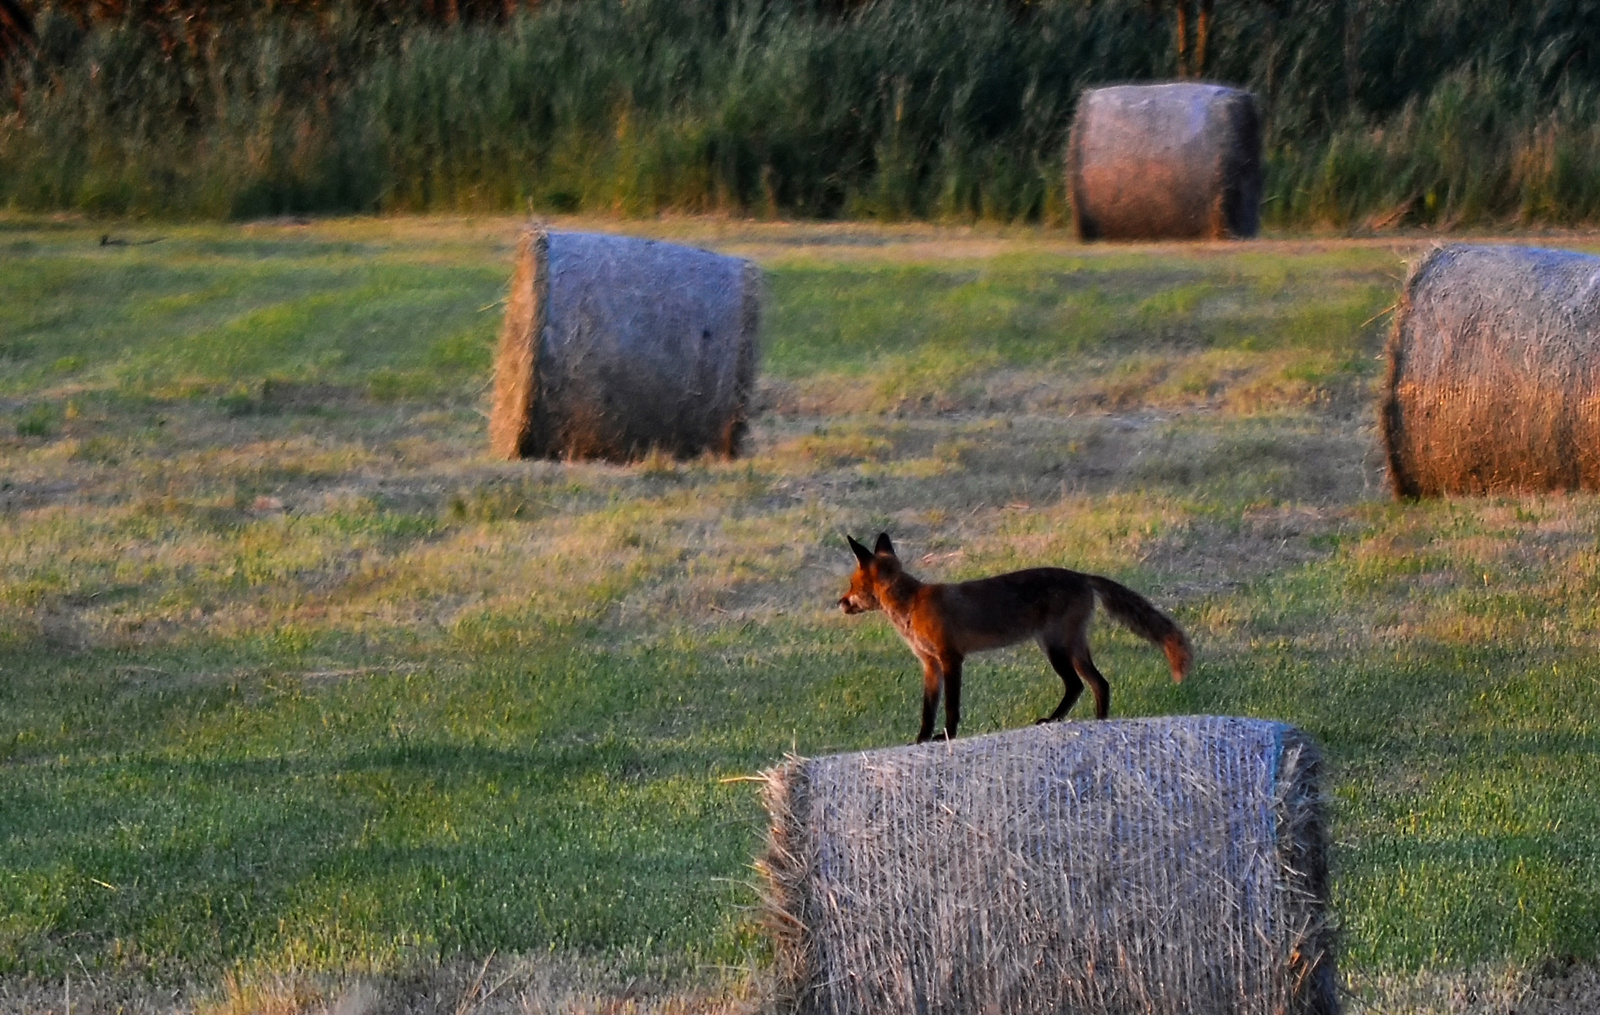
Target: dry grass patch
[{"x": 498, "y": 985}]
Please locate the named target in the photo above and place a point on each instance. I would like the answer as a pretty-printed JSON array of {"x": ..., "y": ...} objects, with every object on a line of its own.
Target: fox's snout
[{"x": 849, "y": 605}]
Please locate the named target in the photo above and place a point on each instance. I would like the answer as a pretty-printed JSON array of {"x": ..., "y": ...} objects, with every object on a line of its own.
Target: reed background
[{"x": 1430, "y": 112}]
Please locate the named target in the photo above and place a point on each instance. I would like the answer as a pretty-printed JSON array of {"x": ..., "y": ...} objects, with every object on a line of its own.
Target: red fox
[{"x": 1051, "y": 605}]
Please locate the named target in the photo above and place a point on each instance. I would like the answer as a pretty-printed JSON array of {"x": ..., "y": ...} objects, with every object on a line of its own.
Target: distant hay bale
[
  {"x": 1155, "y": 866},
  {"x": 1494, "y": 373},
  {"x": 614, "y": 346},
  {"x": 1172, "y": 161}
]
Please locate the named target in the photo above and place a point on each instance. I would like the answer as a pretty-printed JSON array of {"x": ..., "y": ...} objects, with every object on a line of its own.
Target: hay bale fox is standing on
[{"x": 1172, "y": 866}]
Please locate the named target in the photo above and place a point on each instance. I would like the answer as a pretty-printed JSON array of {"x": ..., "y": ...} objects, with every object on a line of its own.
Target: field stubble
[{"x": 305, "y": 702}]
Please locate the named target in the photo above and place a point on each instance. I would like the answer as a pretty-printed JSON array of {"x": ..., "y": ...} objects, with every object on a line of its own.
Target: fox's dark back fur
[{"x": 1023, "y": 600}]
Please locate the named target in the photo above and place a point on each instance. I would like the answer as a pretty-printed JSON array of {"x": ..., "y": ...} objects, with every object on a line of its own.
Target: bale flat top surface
[
  {"x": 1107, "y": 866},
  {"x": 1173, "y": 115}
]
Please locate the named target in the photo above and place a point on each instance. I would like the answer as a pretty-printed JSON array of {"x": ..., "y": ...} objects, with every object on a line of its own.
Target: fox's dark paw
[{"x": 1042, "y": 720}]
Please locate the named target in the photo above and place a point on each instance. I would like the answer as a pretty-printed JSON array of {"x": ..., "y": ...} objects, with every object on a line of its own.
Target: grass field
[{"x": 299, "y": 690}]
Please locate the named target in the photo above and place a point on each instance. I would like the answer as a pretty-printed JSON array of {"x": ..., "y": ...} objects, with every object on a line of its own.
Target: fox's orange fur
[{"x": 1051, "y": 605}]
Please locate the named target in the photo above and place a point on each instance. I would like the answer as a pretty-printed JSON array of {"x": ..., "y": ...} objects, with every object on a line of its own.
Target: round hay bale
[
  {"x": 1172, "y": 161},
  {"x": 1494, "y": 373},
  {"x": 1160, "y": 865},
  {"x": 614, "y": 346}
]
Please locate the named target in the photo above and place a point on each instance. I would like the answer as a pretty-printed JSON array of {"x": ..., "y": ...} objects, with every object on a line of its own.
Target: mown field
[{"x": 303, "y": 697}]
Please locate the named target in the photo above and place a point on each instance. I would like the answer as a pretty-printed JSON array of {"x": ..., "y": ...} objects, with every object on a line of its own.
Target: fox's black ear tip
[
  {"x": 883, "y": 545},
  {"x": 862, "y": 553}
]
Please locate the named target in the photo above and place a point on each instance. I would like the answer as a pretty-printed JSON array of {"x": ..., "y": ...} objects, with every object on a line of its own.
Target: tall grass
[
  {"x": 1478, "y": 148},
  {"x": 948, "y": 109}
]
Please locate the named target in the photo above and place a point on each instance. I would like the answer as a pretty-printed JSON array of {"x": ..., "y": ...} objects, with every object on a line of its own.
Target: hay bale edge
[
  {"x": 1390, "y": 425},
  {"x": 516, "y": 367},
  {"x": 785, "y": 869},
  {"x": 1303, "y": 860}
]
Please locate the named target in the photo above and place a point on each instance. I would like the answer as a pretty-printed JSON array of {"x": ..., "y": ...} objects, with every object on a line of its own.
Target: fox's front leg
[
  {"x": 952, "y": 695},
  {"x": 932, "y": 679}
]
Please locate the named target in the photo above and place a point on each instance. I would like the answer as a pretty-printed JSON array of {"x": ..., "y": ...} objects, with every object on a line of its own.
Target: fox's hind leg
[
  {"x": 1066, "y": 644},
  {"x": 1076, "y": 667},
  {"x": 1061, "y": 662},
  {"x": 1084, "y": 664}
]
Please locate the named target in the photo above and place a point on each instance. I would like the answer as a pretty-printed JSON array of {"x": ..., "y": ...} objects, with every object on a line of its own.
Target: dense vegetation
[{"x": 1431, "y": 111}]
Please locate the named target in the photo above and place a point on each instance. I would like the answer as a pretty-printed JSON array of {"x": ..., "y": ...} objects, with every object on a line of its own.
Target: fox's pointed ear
[
  {"x": 884, "y": 546},
  {"x": 862, "y": 553}
]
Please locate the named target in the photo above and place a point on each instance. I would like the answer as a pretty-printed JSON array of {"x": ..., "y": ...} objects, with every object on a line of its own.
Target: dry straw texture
[
  {"x": 1494, "y": 373},
  {"x": 1159, "y": 865},
  {"x": 1173, "y": 161},
  {"x": 614, "y": 347}
]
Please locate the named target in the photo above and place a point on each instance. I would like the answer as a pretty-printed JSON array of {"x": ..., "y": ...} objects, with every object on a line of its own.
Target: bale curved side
[
  {"x": 786, "y": 870},
  {"x": 516, "y": 362},
  {"x": 614, "y": 347},
  {"x": 1310, "y": 933},
  {"x": 1493, "y": 381},
  {"x": 1172, "y": 865},
  {"x": 1170, "y": 161}
]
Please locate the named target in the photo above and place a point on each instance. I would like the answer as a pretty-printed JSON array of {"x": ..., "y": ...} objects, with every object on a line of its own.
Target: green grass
[{"x": 296, "y": 681}]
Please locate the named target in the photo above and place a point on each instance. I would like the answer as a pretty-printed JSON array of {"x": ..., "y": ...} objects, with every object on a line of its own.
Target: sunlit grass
[{"x": 294, "y": 679}]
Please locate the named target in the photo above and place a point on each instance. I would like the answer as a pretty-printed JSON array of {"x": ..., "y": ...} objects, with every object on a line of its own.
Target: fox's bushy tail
[{"x": 1144, "y": 619}]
